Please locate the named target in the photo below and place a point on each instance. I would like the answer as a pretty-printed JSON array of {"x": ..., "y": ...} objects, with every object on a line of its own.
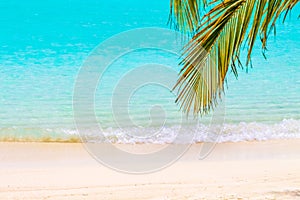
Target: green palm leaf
[
  {"x": 216, "y": 44},
  {"x": 185, "y": 14}
]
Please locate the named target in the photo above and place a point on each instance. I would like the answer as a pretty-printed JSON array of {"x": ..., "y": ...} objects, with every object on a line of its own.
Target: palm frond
[
  {"x": 185, "y": 14},
  {"x": 217, "y": 44}
]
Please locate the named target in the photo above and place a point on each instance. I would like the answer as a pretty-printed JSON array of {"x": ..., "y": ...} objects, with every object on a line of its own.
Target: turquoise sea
[{"x": 43, "y": 45}]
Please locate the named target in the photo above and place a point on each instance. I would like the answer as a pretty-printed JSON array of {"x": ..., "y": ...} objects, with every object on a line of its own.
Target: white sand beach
[{"x": 248, "y": 170}]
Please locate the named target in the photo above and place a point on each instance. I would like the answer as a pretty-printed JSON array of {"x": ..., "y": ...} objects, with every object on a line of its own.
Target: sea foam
[{"x": 227, "y": 132}]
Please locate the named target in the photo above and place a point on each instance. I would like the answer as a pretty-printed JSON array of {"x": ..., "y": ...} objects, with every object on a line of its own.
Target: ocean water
[{"x": 43, "y": 45}]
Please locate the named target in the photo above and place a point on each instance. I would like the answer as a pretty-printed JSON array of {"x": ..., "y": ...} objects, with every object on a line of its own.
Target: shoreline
[
  {"x": 247, "y": 170},
  {"x": 77, "y": 140}
]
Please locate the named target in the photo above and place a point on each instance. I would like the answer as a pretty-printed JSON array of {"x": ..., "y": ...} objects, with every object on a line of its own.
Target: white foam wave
[{"x": 286, "y": 129}]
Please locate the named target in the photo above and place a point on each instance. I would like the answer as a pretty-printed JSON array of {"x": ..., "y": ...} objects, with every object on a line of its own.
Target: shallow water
[{"x": 44, "y": 44}]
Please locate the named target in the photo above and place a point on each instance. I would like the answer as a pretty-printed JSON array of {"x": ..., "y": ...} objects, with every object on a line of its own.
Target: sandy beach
[{"x": 248, "y": 170}]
